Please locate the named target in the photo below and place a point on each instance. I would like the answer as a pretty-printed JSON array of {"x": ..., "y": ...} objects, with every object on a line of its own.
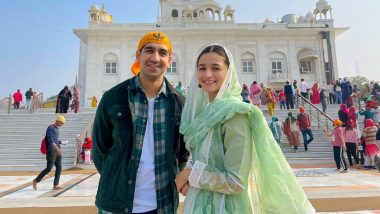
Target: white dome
[
  {"x": 228, "y": 7},
  {"x": 309, "y": 16},
  {"x": 189, "y": 7},
  {"x": 95, "y": 7},
  {"x": 322, "y": 4}
]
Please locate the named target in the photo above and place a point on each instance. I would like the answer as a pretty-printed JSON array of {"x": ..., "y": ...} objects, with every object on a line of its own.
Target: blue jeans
[
  {"x": 338, "y": 97},
  {"x": 304, "y": 135}
]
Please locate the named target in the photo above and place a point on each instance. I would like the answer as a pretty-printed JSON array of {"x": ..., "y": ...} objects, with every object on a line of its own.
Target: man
[
  {"x": 17, "y": 99},
  {"x": 305, "y": 126},
  {"x": 346, "y": 91},
  {"x": 54, "y": 153},
  {"x": 331, "y": 92},
  {"x": 137, "y": 148},
  {"x": 289, "y": 94},
  {"x": 28, "y": 98},
  {"x": 304, "y": 88}
]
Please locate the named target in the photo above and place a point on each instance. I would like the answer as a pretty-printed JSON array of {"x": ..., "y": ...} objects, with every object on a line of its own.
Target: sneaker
[
  {"x": 57, "y": 187},
  {"x": 344, "y": 171},
  {"x": 34, "y": 184}
]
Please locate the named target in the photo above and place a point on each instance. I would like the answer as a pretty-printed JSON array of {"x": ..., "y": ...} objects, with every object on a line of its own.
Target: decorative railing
[
  {"x": 323, "y": 121},
  {"x": 79, "y": 139},
  {"x": 5, "y": 104}
]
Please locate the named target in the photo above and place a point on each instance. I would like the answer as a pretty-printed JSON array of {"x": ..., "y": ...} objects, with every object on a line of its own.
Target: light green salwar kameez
[{"x": 237, "y": 166}]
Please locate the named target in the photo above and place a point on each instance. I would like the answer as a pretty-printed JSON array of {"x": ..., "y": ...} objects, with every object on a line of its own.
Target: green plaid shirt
[{"x": 139, "y": 109}]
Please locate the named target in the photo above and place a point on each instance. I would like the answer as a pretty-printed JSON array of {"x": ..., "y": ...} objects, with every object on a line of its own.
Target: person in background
[
  {"x": 369, "y": 133},
  {"x": 180, "y": 88},
  {"x": 305, "y": 126},
  {"x": 271, "y": 100},
  {"x": 323, "y": 99},
  {"x": 368, "y": 112},
  {"x": 28, "y": 98},
  {"x": 342, "y": 113},
  {"x": 54, "y": 153},
  {"x": 289, "y": 94},
  {"x": 254, "y": 94},
  {"x": 245, "y": 93},
  {"x": 339, "y": 145},
  {"x": 282, "y": 99},
  {"x": 63, "y": 100},
  {"x": 94, "y": 102},
  {"x": 86, "y": 146},
  {"x": 17, "y": 99},
  {"x": 76, "y": 99},
  {"x": 291, "y": 129},
  {"x": 338, "y": 92},
  {"x": 351, "y": 139},
  {"x": 263, "y": 95},
  {"x": 276, "y": 128},
  {"x": 330, "y": 88},
  {"x": 304, "y": 88},
  {"x": 315, "y": 94}
]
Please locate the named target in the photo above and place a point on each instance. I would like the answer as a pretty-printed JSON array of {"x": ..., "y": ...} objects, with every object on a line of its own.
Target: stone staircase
[
  {"x": 319, "y": 150},
  {"x": 21, "y": 134}
]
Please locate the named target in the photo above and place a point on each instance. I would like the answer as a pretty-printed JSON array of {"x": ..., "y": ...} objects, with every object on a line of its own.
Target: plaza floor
[{"x": 330, "y": 191}]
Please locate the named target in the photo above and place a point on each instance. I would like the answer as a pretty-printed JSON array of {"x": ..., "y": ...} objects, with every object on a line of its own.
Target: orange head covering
[
  {"x": 302, "y": 109},
  {"x": 337, "y": 122},
  {"x": 151, "y": 37}
]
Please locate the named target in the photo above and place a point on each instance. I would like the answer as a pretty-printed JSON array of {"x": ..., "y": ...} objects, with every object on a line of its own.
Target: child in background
[
  {"x": 352, "y": 142},
  {"x": 276, "y": 128},
  {"x": 87, "y": 145},
  {"x": 282, "y": 98},
  {"x": 369, "y": 133},
  {"x": 339, "y": 146}
]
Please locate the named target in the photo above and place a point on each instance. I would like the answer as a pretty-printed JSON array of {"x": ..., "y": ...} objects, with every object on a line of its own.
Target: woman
[
  {"x": 76, "y": 98},
  {"x": 254, "y": 94},
  {"x": 343, "y": 114},
  {"x": 351, "y": 139},
  {"x": 315, "y": 99},
  {"x": 245, "y": 93},
  {"x": 292, "y": 131},
  {"x": 228, "y": 173},
  {"x": 94, "y": 102},
  {"x": 64, "y": 98},
  {"x": 271, "y": 101}
]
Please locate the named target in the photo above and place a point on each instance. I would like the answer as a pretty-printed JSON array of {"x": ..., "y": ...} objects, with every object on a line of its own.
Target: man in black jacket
[
  {"x": 137, "y": 147},
  {"x": 289, "y": 94}
]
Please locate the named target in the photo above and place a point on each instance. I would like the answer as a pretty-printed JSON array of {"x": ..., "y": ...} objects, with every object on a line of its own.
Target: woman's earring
[{"x": 199, "y": 85}]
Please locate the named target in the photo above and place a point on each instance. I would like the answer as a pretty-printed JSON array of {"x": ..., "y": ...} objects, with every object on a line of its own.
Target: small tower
[
  {"x": 322, "y": 7},
  {"x": 94, "y": 14},
  {"x": 229, "y": 13}
]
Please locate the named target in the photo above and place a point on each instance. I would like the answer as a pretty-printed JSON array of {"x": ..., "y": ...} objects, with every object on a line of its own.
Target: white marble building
[{"x": 268, "y": 52}]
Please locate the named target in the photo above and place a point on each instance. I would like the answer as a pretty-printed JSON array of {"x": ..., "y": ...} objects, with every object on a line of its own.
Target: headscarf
[
  {"x": 291, "y": 117},
  {"x": 151, "y": 37},
  {"x": 302, "y": 109},
  {"x": 76, "y": 94},
  {"x": 343, "y": 107},
  {"x": 269, "y": 194},
  {"x": 369, "y": 123}
]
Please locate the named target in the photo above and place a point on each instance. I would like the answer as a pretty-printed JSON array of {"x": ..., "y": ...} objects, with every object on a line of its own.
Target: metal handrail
[
  {"x": 79, "y": 139},
  {"x": 6, "y": 103},
  {"x": 324, "y": 121}
]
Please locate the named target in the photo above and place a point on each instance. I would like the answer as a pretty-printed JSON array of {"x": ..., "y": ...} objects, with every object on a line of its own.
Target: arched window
[
  {"x": 248, "y": 64},
  {"x": 110, "y": 63},
  {"x": 278, "y": 65},
  {"x": 306, "y": 59},
  {"x": 175, "y": 13},
  {"x": 173, "y": 68}
]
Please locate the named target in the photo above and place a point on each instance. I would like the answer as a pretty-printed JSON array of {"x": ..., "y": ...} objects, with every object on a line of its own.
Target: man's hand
[{"x": 182, "y": 179}]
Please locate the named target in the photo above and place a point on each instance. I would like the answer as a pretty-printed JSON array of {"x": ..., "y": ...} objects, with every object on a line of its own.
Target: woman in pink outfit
[
  {"x": 254, "y": 94},
  {"x": 315, "y": 99},
  {"x": 339, "y": 146},
  {"x": 352, "y": 141}
]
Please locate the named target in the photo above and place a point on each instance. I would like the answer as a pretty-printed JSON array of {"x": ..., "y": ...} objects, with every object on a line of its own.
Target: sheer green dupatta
[{"x": 274, "y": 187}]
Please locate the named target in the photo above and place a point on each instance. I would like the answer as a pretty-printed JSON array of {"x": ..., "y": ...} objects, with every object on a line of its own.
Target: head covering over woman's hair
[
  {"x": 151, "y": 37},
  {"x": 369, "y": 123},
  {"x": 269, "y": 194},
  {"x": 302, "y": 109},
  {"x": 343, "y": 107}
]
